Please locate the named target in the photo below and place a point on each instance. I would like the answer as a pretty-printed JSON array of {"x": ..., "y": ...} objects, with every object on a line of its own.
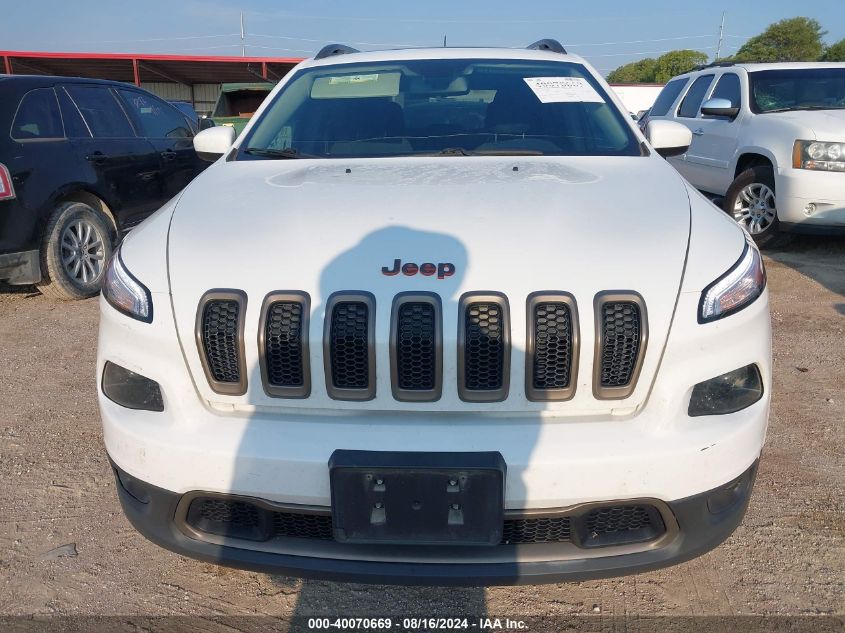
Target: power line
[
  {"x": 163, "y": 39},
  {"x": 534, "y": 20}
]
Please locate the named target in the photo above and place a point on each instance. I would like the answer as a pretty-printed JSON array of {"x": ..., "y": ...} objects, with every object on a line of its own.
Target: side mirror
[
  {"x": 206, "y": 123},
  {"x": 212, "y": 143},
  {"x": 668, "y": 138},
  {"x": 719, "y": 107}
]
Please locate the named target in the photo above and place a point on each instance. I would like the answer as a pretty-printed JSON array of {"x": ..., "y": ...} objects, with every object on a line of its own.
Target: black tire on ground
[
  {"x": 770, "y": 236},
  {"x": 73, "y": 231}
]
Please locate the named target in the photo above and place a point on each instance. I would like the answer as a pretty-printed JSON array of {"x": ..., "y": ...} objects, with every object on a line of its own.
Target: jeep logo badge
[{"x": 409, "y": 269}]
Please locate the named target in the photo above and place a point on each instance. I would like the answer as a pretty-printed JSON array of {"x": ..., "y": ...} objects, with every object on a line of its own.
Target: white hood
[
  {"x": 511, "y": 225},
  {"x": 821, "y": 125}
]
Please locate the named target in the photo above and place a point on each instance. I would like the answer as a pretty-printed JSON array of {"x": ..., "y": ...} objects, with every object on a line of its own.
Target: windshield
[
  {"x": 449, "y": 107},
  {"x": 797, "y": 89}
]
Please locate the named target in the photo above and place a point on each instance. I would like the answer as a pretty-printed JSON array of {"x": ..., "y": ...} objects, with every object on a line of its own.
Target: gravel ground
[{"x": 66, "y": 549}]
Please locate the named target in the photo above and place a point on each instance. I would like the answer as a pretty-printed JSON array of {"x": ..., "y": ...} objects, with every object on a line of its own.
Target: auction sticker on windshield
[{"x": 563, "y": 90}]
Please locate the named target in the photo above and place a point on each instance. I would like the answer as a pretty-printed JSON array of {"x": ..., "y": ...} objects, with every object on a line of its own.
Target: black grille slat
[
  {"x": 484, "y": 351},
  {"x": 552, "y": 345},
  {"x": 349, "y": 341},
  {"x": 620, "y": 321},
  {"x": 283, "y": 344},
  {"x": 416, "y": 346},
  {"x": 220, "y": 339}
]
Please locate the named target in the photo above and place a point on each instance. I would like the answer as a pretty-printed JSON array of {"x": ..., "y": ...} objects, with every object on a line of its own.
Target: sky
[{"x": 608, "y": 34}]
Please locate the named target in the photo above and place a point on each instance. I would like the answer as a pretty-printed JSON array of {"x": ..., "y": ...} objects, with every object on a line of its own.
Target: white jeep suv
[
  {"x": 770, "y": 138},
  {"x": 437, "y": 316}
]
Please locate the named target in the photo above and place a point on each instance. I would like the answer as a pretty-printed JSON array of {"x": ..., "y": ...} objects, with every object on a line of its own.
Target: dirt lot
[{"x": 56, "y": 489}]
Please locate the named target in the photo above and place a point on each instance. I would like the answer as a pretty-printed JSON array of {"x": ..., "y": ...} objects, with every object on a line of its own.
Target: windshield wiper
[
  {"x": 809, "y": 107},
  {"x": 288, "y": 152},
  {"x": 460, "y": 151},
  {"x": 453, "y": 151}
]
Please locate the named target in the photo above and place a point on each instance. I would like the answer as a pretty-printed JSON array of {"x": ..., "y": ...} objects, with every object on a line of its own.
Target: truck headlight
[
  {"x": 736, "y": 289},
  {"x": 727, "y": 393},
  {"x": 125, "y": 293},
  {"x": 819, "y": 155}
]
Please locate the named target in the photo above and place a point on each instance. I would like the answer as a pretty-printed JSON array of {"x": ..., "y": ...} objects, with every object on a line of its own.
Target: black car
[{"x": 82, "y": 161}]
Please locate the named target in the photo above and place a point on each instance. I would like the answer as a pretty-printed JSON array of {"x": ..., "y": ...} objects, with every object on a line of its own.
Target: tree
[
  {"x": 835, "y": 52},
  {"x": 791, "y": 40},
  {"x": 660, "y": 70},
  {"x": 676, "y": 63},
  {"x": 639, "y": 72}
]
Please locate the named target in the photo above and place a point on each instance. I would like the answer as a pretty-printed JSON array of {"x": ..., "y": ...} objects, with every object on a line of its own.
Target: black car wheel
[{"x": 76, "y": 249}]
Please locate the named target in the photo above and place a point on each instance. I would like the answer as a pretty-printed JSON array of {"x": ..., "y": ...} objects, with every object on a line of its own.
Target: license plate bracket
[{"x": 417, "y": 498}]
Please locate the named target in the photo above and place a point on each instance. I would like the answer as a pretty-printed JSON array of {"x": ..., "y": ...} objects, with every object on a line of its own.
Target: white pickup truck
[{"x": 770, "y": 138}]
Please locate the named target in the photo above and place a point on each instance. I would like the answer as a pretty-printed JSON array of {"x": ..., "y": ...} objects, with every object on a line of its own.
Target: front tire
[
  {"x": 76, "y": 248},
  {"x": 751, "y": 202}
]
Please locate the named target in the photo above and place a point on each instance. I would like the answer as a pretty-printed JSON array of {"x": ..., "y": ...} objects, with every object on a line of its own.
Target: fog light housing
[
  {"x": 728, "y": 393},
  {"x": 131, "y": 390}
]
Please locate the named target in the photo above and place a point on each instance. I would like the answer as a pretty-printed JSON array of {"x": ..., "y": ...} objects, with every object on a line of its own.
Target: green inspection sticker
[
  {"x": 356, "y": 86},
  {"x": 353, "y": 79}
]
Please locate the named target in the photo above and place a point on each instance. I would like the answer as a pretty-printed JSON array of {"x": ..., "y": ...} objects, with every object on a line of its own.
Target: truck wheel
[
  {"x": 751, "y": 201},
  {"x": 76, "y": 249}
]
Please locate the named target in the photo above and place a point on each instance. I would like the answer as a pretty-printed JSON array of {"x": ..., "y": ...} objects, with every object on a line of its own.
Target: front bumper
[
  {"x": 701, "y": 522},
  {"x": 20, "y": 268},
  {"x": 809, "y": 201}
]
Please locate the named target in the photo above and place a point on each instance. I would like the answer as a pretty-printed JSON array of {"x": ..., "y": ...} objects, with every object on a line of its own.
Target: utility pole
[
  {"x": 444, "y": 41},
  {"x": 243, "y": 47},
  {"x": 721, "y": 36}
]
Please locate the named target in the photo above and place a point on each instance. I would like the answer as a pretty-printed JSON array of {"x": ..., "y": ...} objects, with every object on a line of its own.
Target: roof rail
[
  {"x": 335, "y": 49},
  {"x": 553, "y": 46},
  {"x": 714, "y": 65}
]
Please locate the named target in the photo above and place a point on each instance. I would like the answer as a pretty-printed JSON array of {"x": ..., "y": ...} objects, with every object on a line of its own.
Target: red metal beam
[
  {"x": 135, "y": 72},
  {"x": 264, "y": 69},
  {"x": 144, "y": 57},
  {"x": 8, "y": 64}
]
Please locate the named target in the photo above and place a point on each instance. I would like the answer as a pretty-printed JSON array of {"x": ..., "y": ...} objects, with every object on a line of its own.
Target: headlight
[
  {"x": 727, "y": 393},
  {"x": 125, "y": 293},
  {"x": 819, "y": 155},
  {"x": 736, "y": 289}
]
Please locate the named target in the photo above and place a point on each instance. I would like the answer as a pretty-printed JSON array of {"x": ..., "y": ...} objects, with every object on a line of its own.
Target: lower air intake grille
[
  {"x": 622, "y": 524},
  {"x": 219, "y": 336},
  {"x": 622, "y": 335},
  {"x": 539, "y": 530},
  {"x": 610, "y": 525},
  {"x": 485, "y": 360},
  {"x": 348, "y": 347},
  {"x": 416, "y": 346}
]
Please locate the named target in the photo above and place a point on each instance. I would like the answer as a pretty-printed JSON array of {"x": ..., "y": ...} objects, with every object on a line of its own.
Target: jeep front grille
[
  {"x": 416, "y": 347},
  {"x": 621, "y": 329},
  {"x": 283, "y": 346},
  {"x": 220, "y": 327},
  {"x": 349, "y": 346},
  {"x": 483, "y": 348}
]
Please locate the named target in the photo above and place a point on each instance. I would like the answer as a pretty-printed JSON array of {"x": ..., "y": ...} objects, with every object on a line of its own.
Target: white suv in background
[{"x": 770, "y": 138}]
